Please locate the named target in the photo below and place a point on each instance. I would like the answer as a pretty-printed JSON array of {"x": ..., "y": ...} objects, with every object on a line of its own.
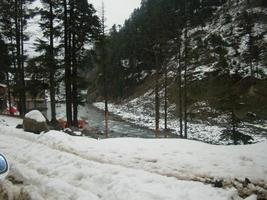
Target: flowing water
[{"x": 117, "y": 127}]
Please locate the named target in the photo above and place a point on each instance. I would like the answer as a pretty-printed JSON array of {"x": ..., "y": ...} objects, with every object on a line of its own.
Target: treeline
[
  {"x": 155, "y": 23},
  {"x": 67, "y": 27}
]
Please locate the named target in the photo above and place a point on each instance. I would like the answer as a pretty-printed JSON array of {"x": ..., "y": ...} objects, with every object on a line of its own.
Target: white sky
[{"x": 116, "y": 10}]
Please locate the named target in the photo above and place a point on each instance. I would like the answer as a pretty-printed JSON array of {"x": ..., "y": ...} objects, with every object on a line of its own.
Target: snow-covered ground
[
  {"x": 55, "y": 165},
  {"x": 9, "y": 121}
]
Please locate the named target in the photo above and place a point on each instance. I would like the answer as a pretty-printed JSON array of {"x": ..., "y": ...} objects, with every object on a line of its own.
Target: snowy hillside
[
  {"x": 220, "y": 68},
  {"x": 230, "y": 29},
  {"x": 140, "y": 111},
  {"x": 55, "y": 165}
]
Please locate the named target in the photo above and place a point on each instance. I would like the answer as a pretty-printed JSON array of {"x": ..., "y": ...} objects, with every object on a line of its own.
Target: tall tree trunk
[
  {"x": 73, "y": 51},
  {"x": 52, "y": 64},
  {"x": 250, "y": 42},
  {"x": 74, "y": 82},
  {"x": 185, "y": 74},
  {"x": 185, "y": 102},
  {"x": 106, "y": 101},
  {"x": 251, "y": 54},
  {"x": 67, "y": 66},
  {"x": 14, "y": 62},
  {"x": 180, "y": 90},
  {"x": 103, "y": 35},
  {"x": 8, "y": 92},
  {"x": 234, "y": 126},
  {"x": 166, "y": 101},
  {"x": 71, "y": 54},
  {"x": 18, "y": 56},
  {"x": 157, "y": 117},
  {"x": 22, "y": 73},
  {"x": 106, "y": 117}
]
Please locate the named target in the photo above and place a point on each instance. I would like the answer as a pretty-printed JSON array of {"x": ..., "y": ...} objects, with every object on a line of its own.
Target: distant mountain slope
[{"x": 235, "y": 39}]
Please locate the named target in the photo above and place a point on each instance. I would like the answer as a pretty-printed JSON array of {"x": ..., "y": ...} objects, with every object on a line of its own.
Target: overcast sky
[{"x": 116, "y": 10}]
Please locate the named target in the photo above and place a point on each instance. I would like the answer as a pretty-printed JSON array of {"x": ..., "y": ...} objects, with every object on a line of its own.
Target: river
[{"x": 95, "y": 118}]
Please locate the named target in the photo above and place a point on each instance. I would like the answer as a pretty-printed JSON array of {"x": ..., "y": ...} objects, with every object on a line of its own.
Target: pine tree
[
  {"x": 49, "y": 15},
  {"x": 23, "y": 14},
  {"x": 13, "y": 23},
  {"x": 22, "y": 18},
  {"x": 84, "y": 29},
  {"x": 157, "y": 98},
  {"x": 7, "y": 46},
  {"x": 4, "y": 60},
  {"x": 185, "y": 68},
  {"x": 67, "y": 63},
  {"x": 179, "y": 77},
  {"x": 81, "y": 26},
  {"x": 103, "y": 57},
  {"x": 165, "y": 100}
]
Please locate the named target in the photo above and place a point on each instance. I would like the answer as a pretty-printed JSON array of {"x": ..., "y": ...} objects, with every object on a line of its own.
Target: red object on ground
[
  {"x": 63, "y": 124},
  {"x": 81, "y": 123},
  {"x": 12, "y": 110}
]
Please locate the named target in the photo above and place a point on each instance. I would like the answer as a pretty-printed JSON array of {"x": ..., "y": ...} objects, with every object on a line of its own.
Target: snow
[
  {"x": 196, "y": 159},
  {"x": 263, "y": 127},
  {"x": 140, "y": 111},
  {"x": 55, "y": 165},
  {"x": 252, "y": 197},
  {"x": 9, "y": 121},
  {"x": 229, "y": 32},
  {"x": 3, "y": 85},
  {"x": 35, "y": 115},
  {"x": 143, "y": 75}
]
